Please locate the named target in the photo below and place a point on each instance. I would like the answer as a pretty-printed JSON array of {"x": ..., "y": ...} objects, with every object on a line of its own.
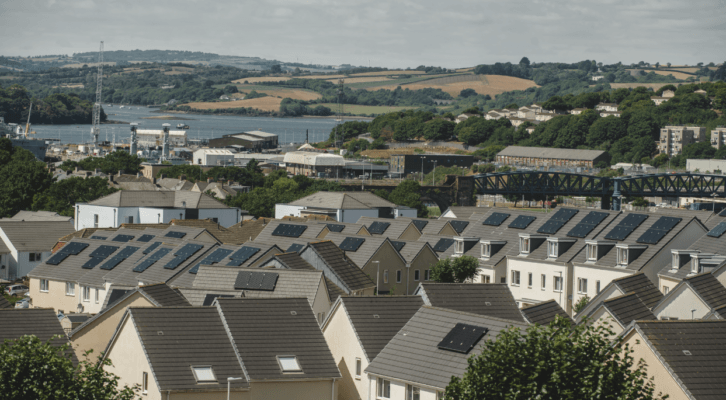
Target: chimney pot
[
  {"x": 77, "y": 169},
  {"x": 162, "y": 176},
  {"x": 209, "y": 180},
  {"x": 183, "y": 177}
]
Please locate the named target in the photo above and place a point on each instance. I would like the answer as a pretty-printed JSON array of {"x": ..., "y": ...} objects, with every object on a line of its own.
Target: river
[{"x": 289, "y": 130}]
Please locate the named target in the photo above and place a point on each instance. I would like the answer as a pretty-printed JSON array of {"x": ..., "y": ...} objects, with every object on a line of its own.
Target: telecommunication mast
[{"x": 96, "y": 128}]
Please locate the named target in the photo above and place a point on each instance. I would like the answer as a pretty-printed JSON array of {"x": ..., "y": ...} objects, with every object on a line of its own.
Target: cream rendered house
[
  {"x": 357, "y": 329},
  {"x": 636, "y": 283},
  {"x": 694, "y": 298},
  {"x": 619, "y": 312}
]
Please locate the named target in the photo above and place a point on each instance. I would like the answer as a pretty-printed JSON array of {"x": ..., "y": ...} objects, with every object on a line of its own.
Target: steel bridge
[{"x": 611, "y": 190}]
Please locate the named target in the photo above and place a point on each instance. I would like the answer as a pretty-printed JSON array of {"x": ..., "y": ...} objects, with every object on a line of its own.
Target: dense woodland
[{"x": 59, "y": 108}]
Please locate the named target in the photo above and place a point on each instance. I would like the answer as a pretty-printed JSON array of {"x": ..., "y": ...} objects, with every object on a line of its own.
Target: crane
[
  {"x": 96, "y": 128},
  {"x": 27, "y": 125}
]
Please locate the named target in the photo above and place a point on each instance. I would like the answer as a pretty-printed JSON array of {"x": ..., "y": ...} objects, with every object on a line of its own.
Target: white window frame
[
  {"x": 385, "y": 276},
  {"x": 557, "y": 283},
  {"x": 383, "y": 389},
  {"x": 44, "y": 285},
  {"x": 552, "y": 249},
  {"x": 95, "y": 220},
  {"x": 530, "y": 280},
  {"x": 544, "y": 281},
  {"x": 416, "y": 275},
  {"x": 591, "y": 252},
  {"x": 203, "y": 368},
  {"x": 413, "y": 392},
  {"x": 70, "y": 289},
  {"x": 524, "y": 245},
  {"x": 86, "y": 293},
  {"x": 486, "y": 250},
  {"x": 358, "y": 367},
  {"x": 399, "y": 276},
  {"x": 35, "y": 257},
  {"x": 144, "y": 382},
  {"x": 427, "y": 274},
  {"x": 96, "y": 299},
  {"x": 597, "y": 287},
  {"x": 283, "y": 361},
  {"x": 486, "y": 279},
  {"x": 622, "y": 256},
  {"x": 582, "y": 285},
  {"x": 515, "y": 278},
  {"x": 666, "y": 289}
]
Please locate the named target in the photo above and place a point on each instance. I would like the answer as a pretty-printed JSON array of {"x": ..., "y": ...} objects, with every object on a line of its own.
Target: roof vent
[
  {"x": 686, "y": 352},
  {"x": 487, "y": 303},
  {"x": 376, "y": 316},
  {"x": 293, "y": 312},
  {"x": 160, "y": 333}
]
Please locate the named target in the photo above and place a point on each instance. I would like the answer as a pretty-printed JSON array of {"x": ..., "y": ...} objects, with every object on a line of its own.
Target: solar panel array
[
  {"x": 626, "y": 226},
  {"x": 443, "y": 244},
  {"x": 152, "y": 247},
  {"x": 175, "y": 234},
  {"x": 183, "y": 254},
  {"x": 351, "y": 244},
  {"x": 495, "y": 219},
  {"x": 125, "y": 253},
  {"x": 335, "y": 227},
  {"x": 209, "y": 298},
  {"x": 145, "y": 238},
  {"x": 522, "y": 221},
  {"x": 294, "y": 248},
  {"x": 73, "y": 248},
  {"x": 241, "y": 255},
  {"x": 289, "y": 230},
  {"x": 377, "y": 227},
  {"x": 656, "y": 232},
  {"x": 397, "y": 244},
  {"x": 253, "y": 280},
  {"x": 718, "y": 230},
  {"x": 98, "y": 237},
  {"x": 216, "y": 256},
  {"x": 98, "y": 255},
  {"x": 587, "y": 224},
  {"x": 420, "y": 224},
  {"x": 152, "y": 259},
  {"x": 459, "y": 226},
  {"x": 123, "y": 238},
  {"x": 556, "y": 221},
  {"x": 462, "y": 338}
]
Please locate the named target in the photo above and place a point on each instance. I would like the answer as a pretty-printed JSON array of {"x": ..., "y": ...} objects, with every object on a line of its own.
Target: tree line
[{"x": 57, "y": 108}]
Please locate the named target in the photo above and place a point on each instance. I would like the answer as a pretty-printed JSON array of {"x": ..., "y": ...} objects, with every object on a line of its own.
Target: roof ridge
[{"x": 472, "y": 315}]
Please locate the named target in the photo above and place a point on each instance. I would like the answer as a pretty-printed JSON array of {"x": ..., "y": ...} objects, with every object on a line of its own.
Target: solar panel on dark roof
[
  {"x": 398, "y": 245},
  {"x": 560, "y": 218},
  {"x": 151, "y": 248},
  {"x": 69, "y": 249},
  {"x": 183, "y": 254},
  {"x": 103, "y": 251},
  {"x": 145, "y": 238},
  {"x": 626, "y": 226},
  {"x": 122, "y": 238},
  {"x": 420, "y": 224},
  {"x": 443, "y": 244},
  {"x": 216, "y": 256},
  {"x": 496, "y": 219},
  {"x": 241, "y": 255},
  {"x": 289, "y": 230},
  {"x": 459, "y": 226},
  {"x": 659, "y": 229},
  {"x": 587, "y": 224},
  {"x": 521, "y": 222},
  {"x": 718, "y": 230},
  {"x": 351, "y": 244},
  {"x": 378, "y": 227},
  {"x": 125, "y": 253},
  {"x": 295, "y": 247},
  {"x": 335, "y": 227},
  {"x": 253, "y": 280},
  {"x": 462, "y": 338},
  {"x": 98, "y": 237},
  {"x": 152, "y": 259},
  {"x": 175, "y": 234}
]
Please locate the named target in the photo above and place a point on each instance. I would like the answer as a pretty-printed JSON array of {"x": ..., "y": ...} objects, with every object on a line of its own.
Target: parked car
[
  {"x": 23, "y": 303},
  {"x": 15, "y": 290}
]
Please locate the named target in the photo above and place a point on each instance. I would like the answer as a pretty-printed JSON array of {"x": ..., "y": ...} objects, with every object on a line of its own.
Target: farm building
[
  {"x": 541, "y": 156},
  {"x": 253, "y": 140},
  {"x": 413, "y": 163}
]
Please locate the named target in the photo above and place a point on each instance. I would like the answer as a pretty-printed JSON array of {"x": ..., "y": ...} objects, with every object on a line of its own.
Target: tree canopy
[
  {"x": 454, "y": 270},
  {"x": 62, "y": 196},
  {"x": 22, "y": 177}
]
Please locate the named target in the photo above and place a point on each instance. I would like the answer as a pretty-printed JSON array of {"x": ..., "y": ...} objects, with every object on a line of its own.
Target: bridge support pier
[{"x": 617, "y": 196}]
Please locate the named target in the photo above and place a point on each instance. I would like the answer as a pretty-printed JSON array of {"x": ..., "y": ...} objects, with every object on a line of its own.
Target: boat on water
[
  {"x": 182, "y": 126},
  {"x": 19, "y": 137}
]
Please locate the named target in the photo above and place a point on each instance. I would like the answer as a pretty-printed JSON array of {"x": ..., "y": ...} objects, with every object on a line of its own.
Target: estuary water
[{"x": 290, "y": 130}]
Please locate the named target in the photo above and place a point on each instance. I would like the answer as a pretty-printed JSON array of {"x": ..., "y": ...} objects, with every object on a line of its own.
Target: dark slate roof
[
  {"x": 164, "y": 295},
  {"x": 642, "y": 286},
  {"x": 4, "y": 303},
  {"x": 176, "y": 338},
  {"x": 490, "y": 299},
  {"x": 628, "y": 308},
  {"x": 342, "y": 265},
  {"x": 709, "y": 288},
  {"x": 706, "y": 342},
  {"x": 377, "y": 319},
  {"x": 544, "y": 313},
  {"x": 40, "y": 322},
  {"x": 263, "y": 329},
  {"x": 294, "y": 261}
]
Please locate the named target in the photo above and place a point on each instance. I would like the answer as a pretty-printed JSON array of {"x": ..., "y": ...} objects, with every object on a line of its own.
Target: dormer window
[
  {"x": 622, "y": 256},
  {"x": 463, "y": 244},
  {"x": 699, "y": 259},
  {"x": 552, "y": 249},
  {"x": 524, "y": 245},
  {"x": 556, "y": 246},
  {"x": 530, "y": 242},
  {"x": 490, "y": 247},
  {"x": 486, "y": 250},
  {"x": 627, "y": 253},
  {"x": 596, "y": 249},
  {"x": 591, "y": 252}
]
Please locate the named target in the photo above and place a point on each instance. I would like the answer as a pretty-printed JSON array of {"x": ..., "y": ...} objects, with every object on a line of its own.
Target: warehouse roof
[
  {"x": 314, "y": 159},
  {"x": 544, "y": 152}
]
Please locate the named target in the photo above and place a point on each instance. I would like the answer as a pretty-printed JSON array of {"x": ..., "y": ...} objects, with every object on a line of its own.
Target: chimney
[
  {"x": 162, "y": 176},
  {"x": 120, "y": 172},
  {"x": 138, "y": 174},
  {"x": 209, "y": 180},
  {"x": 183, "y": 177},
  {"x": 77, "y": 169}
]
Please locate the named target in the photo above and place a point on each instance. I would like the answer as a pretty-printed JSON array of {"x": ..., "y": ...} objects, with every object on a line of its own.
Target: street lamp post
[
  {"x": 423, "y": 159},
  {"x": 230, "y": 379}
]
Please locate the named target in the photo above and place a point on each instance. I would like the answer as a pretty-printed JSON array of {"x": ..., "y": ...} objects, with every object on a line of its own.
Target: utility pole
[
  {"x": 423, "y": 159},
  {"x": 96, "y": 128},
  {"x": 433, "y": 178}
]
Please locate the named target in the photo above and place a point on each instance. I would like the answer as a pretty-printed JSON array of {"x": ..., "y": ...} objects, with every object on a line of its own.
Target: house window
[
  {"x": 524, "y": 245},
  {"x": 503, "y": 279},
  {"x": 144, "y": 382},
  {"x": 675, "y": 264},
  {"x": 544, "y": 281},
  {"x": 204, "y": 374},
  {"x": 529, "y": 280},
  {"x": 70, "y": 289},
  {"x": 43, "y": 285},
  {"x": 552, "y": 249},
  {"x": 515, "y": 278},
  {"x": 398, "y": 276},
  {"x": 289, "y": 364},
  {"x": 385, "y": 276},
  {"x": 591, "y": 252},
  {"x": 558, "y": 284},
  {"x": 416, "y": 275},
  {"x": 95, "y": 220},
  {"x": 33, "y": 257},
  {"x": 358, "y": 368},
  {"x": 486, "y": 250},
  {"x": 439, "y": 395},
  {"x": 666, "y": 289},
  {"x": 597, "y": 287},
  {"x": 485, "y": 279},
  {"x": 96, "y": 296},
  {"x": 622, "y": 256},
  {"x": 413, "y": 392},
  {"x": 216, "y": 220},
  {"x": 459, "y": 247},
  {"x": 427, "y": 274},
  {"x": 86, "y": 293},
  {"x": 582, "y": 285},
  {"x": 384, "y": 388},
  {"x": 130, "y": 220}
]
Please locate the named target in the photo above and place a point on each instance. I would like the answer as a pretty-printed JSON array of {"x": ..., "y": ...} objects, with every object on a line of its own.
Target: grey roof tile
[
  {"x": 489, "y": 299},
  {"x": 339, "y": 262},
  {"x": 394, "y": 230},
  {"x": 642, "y": 286},
  {"x": 708, "y": 288},
  {"x": 40, "y": 322},
  {"x": 164, "y": 199},
  {"x": 628, "y": 308},
  {"x": 343, "y": 200},
  {"x": 545, "y": 312},
  {"x": 294, "y": 261},
  {"x": 28, "y": 236},
  {"x": 546, "y": 152},
  {"x": 165, "y": 296}
]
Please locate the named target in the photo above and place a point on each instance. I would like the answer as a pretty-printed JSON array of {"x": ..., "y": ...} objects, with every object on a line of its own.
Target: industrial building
[
  {"x": 214, "y": 157},
  {"x": 253, "y": 140},
  {"x": 155, "y": 137},
  {"x": 417, "y": 163},
  {"x": 547, "y": 157},
  {"x": 314, "y": 164}
]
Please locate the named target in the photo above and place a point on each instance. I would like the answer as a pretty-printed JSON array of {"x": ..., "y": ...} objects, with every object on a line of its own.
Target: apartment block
[
  {"x": 718, "y": 137},
  {"x": 674, "y": 138}
]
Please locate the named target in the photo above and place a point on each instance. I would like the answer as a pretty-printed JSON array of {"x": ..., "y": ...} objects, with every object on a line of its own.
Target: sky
[{"x": 393, "y": 34}]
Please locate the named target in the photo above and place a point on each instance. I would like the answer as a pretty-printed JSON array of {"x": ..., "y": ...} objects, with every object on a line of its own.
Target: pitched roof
[
  {"x": 393, "y": 231},
  {"x": 367, "y": 249},
  {"x": 343, "y": 200},
  {"x": 39, "y": 216},
  {"x": 490, "y": 299},
  {"x": 4, "y": 303},
  {"x": 377, "y": 319},
  {"x": 709, "y": 288},
  {"x": 642, "y": 286},
  {"x": 167, "y": 199},
  {"x": 294, "y": 261},
  {"x": 342, "y": 266},
  {"x": 199, "y": 297},
  {"x": 35, "y": 235},
  {"x": 263, "y": 329},
  {"x": 249, "y": 229},
  {"x": 543, "y": 313},
  {"x": 705, "y": 341},
  {"x": 628, "y": 308},
  {"x": 462, "y": 212},
  {"x": 412, "y": 355},
  {"x": 219, "y": 232},
  {"x": 40, "y": 322},
  {"x": 164, "y": 296},
  {"x": 177, "y": 338}
]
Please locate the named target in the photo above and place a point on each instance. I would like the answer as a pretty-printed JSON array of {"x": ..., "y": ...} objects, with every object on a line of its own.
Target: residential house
[
  {"x": 72, "y": 321},
  {"x": 637, "y": 283},
  {"x": 294, "y": 261},
  {"x": 694, "y": 297},
  {"x": 152, "y": 207},
  {"x": 289, "y": 235},
  {"x": 619, "y": 312},
  {"x": 345, "y": 228},
  {"x": 341, "y": 206},
  {"x": 544, "y": 313},
  {"x": 26, "y": 244},
  {"x": 463, "y": 117},
  {"x": 421, "y": 227},
  {"x": 400, "y": 372},
  {"x": 616, "y": 114},
  {"x": 337, "y": 266},
  {"x": 612, "y": 107},
  {"x": 671, "y": 349},
  {"x": 399, "y": 228},
  {"x": 356, "y": 331},
  {"x": 220, "y": 190},
  {"x": 491, "y": 300},
  {"x": 577, "y": 111},
  {"x": 40, "y": 322},
  {"x": 658, "y": 100}
]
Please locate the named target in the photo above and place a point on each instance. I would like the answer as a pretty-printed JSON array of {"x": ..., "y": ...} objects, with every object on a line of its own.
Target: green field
[{"x": 364, "y": 110}]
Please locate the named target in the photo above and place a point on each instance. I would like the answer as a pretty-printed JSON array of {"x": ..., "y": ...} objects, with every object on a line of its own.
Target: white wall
[
  {"x": 398, "y": 390},
  {"x": 352, "y": 216},
  {"x": 225, "y": 216},
  {"x": 680, "y": 304},
  {"x": 113, "y": 217},
  {"x": 405, "y": 213},
  {"x": 85, "y": 212},
  {"x": 594, "y": 274},
  {"x": 285, "y": 210},
  {"x": 149, "y": 215},
  {"x": 533, "y": 295}
]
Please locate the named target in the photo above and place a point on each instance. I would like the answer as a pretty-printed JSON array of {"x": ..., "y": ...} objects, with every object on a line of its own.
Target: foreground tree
[
  {"x": 32, "y": 369},
  {"x": 62, "y": 196},
  {"x": 456, "y": 270},
  {"x": 559, "y": 361}
]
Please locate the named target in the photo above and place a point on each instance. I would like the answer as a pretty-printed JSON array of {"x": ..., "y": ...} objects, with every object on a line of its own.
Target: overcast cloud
[{"x": 455, "y": 33}]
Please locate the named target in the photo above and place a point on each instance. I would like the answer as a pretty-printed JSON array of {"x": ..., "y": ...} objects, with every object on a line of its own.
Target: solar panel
[
  {"x": 122, "y": 238},
  {"x": 294, "y": 248},
  {"x": 496, "y": 219},
  {"x": 459, "y": 226},
  {"x": 443, "y": 244},
  {"x": 98, "y": 237},
  {"x": 240, "y": 256},
  {"x": 462, "y": 338},
  {"x": 587, "y": 224},
  {"x": 656, "y": 232},
  {"x": 145, "y": 238},
  {"x": 252, "y": 280},
  {"x": 183, "y": 254},
  {"x": 397, "y": 244},
  {"x": 522, "y": 221},
  {"x": 92, "y": 262},
  {"x": 289, "y": 230},
  {"x": 125, "y": 253},
  {"x": 556, "y": 221},
  {"x": 103, "y": 251},
  {"x": 73, "y": 248},
  {"x": 626, "y": 226},
  {"x": 209, "y": 298},
  {"x": 150, "y": 260},
  {"x": 175, "y": 234},
  {"x": 152, "y": 247},
  {"x": 377, "y": 227},
  {"x": 335, "y": 227},
  {"x": 57, "y": 258},
  {"x": 718, "y": 230},
  {"x": 216, "y": 256},
  {"x": 420, "y": 224},
  {"x": 351, "y": 244}
]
